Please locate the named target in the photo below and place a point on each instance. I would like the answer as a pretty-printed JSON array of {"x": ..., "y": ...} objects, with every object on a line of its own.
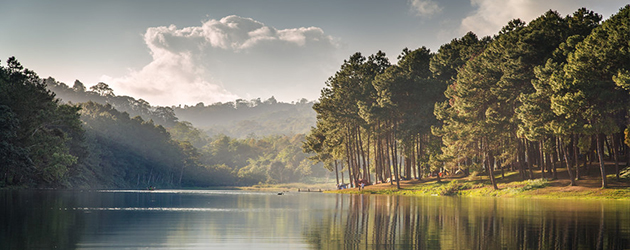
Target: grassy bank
[{"x": 510, "y": 185}]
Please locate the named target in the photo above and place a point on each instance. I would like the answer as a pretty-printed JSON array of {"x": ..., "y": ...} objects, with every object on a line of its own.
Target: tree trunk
[
  {"x": 336, "y": 173},
  {"x": 566, "y": 159},
  {"x": 349, "y": 160},
  {"x": 342, "y": 180},
  {"x": 585, "y": 163},
  {"x": 413, "y": 158},
  {"x": 530, "y": 159},
  {"x": 395, "y": 157},
  {"x": 600, "y": 154},
  {"x": 394, "y": 165},
  {"x": 608, "y": 147},
  {"x": 380, "y": 159},
  {"x": 489, "y": 162},
  {"x": 350, "y": 177},
  {"x": 543, "y": 162},
  {"x": 356, "y": 161},
  {"x": 521, "y": 160},
  {"x": 576, "y": 154},
  {"x": 501, "y": 168},
  {"x": 558, "y": 159},
  {"x": 418, "y": 154},
  {"x": 548, "y": 162},
  {"x": 592, "y": 153},
  {"x": 615, "y": 154},
  {"x": 367, "y": 144},
  {"x": 406, "y": 157},
  {"x": 362, "y": 153},
  {"x": 408, "y": 167},
  {"x": 388, "y": 163}
]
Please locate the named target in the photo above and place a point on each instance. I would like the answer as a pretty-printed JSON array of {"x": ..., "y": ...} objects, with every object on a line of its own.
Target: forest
[
  {"x": 46, "y": 142},
  {"x": 239, "y": 119},
  {"x": 537, "y": 96}
]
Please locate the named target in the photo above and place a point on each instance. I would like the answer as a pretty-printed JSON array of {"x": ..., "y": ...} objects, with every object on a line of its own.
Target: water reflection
[
  {"x": 37, "y": 220},
  {"x": 391, "y": 222},
  {"x": 131, "y": 219}
]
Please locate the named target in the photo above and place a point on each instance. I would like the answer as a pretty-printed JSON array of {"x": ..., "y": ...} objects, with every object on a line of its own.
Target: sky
[{"x": 184, "y": 52}]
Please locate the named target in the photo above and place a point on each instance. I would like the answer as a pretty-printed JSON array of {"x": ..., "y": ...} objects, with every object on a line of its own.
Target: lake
[{"x": 205, "y": 219}]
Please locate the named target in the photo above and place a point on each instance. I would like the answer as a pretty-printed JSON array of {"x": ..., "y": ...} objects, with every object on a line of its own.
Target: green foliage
[
  {"x": 453, "y": 187},
  {"x": 273, "y": 159},
  {"x": 455, "y": 125},
  {"x": 185, "y": 131},
  {"x": 452, "y": 56},
  {"x": 593, "y": 71},
  {"x": 38, "y": 133}
]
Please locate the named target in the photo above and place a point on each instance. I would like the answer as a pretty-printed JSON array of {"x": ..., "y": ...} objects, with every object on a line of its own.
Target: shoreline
[{"x": 586, "y": 188}]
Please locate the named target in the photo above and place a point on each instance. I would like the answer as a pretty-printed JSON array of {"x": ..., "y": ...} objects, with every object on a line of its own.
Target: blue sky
[{"x": 185, "y": 52}]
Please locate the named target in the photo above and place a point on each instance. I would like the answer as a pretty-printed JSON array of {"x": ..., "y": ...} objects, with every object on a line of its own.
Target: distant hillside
[
  {"x": 238, "y": 119},
  {"x": 244, "y": 118},
  {"x": 103, "y": 94}
]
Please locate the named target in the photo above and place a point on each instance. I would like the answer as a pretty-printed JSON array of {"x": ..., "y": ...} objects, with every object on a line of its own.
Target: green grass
[
  {"x": 597, "y": 194},
  {"x": 618, "y": 194},
  {"x": 480, "y": 187}
]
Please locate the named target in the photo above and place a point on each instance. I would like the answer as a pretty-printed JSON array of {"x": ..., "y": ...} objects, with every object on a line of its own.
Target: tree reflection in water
[
  {"x": 395, "y": 222},
  {"x": 35, "y": 220}
]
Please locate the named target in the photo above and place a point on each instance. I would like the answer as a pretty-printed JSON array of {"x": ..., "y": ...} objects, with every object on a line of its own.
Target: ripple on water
[{"x": 179, "y": 209}]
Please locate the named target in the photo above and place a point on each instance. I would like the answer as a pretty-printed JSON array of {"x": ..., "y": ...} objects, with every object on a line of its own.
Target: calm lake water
[{"x": 183, "y": 219}]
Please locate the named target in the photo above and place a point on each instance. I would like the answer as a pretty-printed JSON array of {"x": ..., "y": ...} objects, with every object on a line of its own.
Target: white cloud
[
  {"x": 425, "y": 7},
  {"x": 225, "y": 59},
  {"x": 491, "y": 15}
]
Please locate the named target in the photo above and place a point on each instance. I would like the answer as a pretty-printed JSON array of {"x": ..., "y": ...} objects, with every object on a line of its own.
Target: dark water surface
[{"x": 184, "y": 219}]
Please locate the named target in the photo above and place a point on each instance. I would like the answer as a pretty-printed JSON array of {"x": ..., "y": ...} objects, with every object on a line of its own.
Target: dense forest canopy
[
  {"x": 540, "y": 95},
  {"x": 548, "y": 94},
  {"x": 40, "y": 138}
]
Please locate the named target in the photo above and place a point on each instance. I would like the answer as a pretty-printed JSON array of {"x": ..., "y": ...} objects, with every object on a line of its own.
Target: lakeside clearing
[{"x": 510, "y": 186}]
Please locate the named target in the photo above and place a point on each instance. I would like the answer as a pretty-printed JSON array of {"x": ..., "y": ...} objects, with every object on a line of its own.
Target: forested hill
[
  {"x": 101, "y": 93},
  {"x": 239, "y": 119},
  {"x": 242, "y": 118},
  {"x": 47, "y": 143}
]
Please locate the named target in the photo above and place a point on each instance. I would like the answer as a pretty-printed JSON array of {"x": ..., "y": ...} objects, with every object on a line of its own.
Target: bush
[
  {"x": 535, "y": 184},
  {"x": 453, "y": 187}
]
